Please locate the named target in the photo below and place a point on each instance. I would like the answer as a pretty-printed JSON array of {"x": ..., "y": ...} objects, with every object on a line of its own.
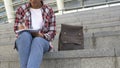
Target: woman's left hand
[{"x": 37, "y": 34}]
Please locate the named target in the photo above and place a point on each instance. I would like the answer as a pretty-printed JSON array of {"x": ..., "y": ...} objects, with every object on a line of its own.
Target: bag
[{"x": 71, "y": 37}]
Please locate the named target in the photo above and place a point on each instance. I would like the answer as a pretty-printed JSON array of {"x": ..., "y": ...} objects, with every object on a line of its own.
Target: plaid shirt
[{"x": 23, "y": 15}]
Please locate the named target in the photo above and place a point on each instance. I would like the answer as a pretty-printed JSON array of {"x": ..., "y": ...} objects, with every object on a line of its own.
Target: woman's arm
[
  {"x": 52, "y": 26},
  {"x": 18, "y": 20}
]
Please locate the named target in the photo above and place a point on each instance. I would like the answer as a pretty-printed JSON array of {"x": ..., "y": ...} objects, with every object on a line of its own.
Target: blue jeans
[{"x": 31, "y": 50}]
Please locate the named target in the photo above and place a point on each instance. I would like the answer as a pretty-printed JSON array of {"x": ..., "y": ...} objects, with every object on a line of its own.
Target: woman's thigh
[{"x": 23, "y": 40}]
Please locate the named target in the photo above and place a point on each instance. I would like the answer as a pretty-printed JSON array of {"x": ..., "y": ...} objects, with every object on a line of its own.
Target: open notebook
[{"x": 28, "y": 30}]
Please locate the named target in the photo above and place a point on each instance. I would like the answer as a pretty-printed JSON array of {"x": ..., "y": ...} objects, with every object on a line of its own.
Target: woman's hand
[
  {"x": 21, "y": 26},
  {"x": 37, "y": 34}
]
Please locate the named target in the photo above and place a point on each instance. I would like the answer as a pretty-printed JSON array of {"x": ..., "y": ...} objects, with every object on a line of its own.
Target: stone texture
[
  {"x": 92, "y": 18},
  {"x": 107, "y": 42},
  {"x": 80, "y": 53},
  {"x": 103, "y": 25},
  {"x": 7, "y": 53},
  {"x": 4, "y": 64},
  {"x": 88, "y": 43},
  {"x": 68, "y": 63},
  {"x": 107, "y": 33},
  {"x": 14, "y": 64},
  {"x": 48, "y": 64},
  {"x": 117, "y": 51},
  {"x": 7, "y": 35},
  {"x": 118, "y": 62},
  {"x": 63, "y": 59},
  {"x": 104, "y": 62},
  {"x": 61, "y": 63},
  {"x": 115, "y": 28}
]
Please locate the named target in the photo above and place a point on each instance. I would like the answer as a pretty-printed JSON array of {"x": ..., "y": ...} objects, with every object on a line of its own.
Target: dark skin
[{"x": 36, "y": 4}]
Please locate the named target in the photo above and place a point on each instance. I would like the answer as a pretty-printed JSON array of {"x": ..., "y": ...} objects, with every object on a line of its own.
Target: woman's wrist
[{"x": 40, "y": 35}]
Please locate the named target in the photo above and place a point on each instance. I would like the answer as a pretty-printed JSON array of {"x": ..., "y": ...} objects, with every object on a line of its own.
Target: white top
[{"x": 36, "y": 17}]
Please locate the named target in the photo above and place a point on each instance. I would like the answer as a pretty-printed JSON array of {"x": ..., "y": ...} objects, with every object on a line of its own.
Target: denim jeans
[{"x": 31, "y": 50}]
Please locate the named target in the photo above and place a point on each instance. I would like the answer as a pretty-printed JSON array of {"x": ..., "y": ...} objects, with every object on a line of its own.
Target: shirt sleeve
[
  {"x": 18, "y": 19},
  {"x": 52, "y": 27}
]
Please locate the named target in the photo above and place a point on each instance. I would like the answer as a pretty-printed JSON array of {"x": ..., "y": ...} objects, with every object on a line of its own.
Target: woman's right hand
[
  {"x": 37, "y": 34},
  {"x": 21, "y": 26}
]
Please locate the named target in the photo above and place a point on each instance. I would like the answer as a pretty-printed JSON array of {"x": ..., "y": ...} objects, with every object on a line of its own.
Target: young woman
[{"x": 31, "y": 46}]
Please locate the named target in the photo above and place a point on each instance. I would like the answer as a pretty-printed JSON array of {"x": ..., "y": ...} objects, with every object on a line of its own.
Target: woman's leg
[
  {"x": 23, "y": 44},
  {"x": 38, "y": 48}
]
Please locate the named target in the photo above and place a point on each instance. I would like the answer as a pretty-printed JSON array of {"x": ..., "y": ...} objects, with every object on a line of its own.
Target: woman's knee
[
  {"x": 38, "y": 39},
  {"x": 41, "y": 42}
]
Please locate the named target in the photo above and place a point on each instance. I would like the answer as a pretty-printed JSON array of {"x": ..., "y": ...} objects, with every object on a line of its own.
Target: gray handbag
[{"x": 71, "y": 37}]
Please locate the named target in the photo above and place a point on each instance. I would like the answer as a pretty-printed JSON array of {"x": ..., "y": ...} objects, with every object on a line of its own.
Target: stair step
[
  {"x": 90, "y": 20},
  {"x": 64, "y": 59}
]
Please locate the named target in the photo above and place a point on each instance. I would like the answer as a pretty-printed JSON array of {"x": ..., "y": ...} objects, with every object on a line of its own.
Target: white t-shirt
[{"x": 36, "y": 17}]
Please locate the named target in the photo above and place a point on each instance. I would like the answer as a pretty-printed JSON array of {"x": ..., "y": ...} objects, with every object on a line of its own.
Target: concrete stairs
[
  {"x": 87, "y": 58},
  {"x": 101, "y": 41}
]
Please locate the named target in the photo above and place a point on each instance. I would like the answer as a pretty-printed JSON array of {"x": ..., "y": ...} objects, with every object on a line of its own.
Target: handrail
[{"x": 91, "y": 5}]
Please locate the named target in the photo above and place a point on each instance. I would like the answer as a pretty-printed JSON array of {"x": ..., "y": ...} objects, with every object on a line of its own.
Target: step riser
[
  {"x": 102, "y": 62},
  {"x": 101, "y": 58},
  {"x": 74, "y": 20},
  {"x": 87, "y": 28},
  {"x": 98, "y": 40},
  {"x": 87, "y": 22}
]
